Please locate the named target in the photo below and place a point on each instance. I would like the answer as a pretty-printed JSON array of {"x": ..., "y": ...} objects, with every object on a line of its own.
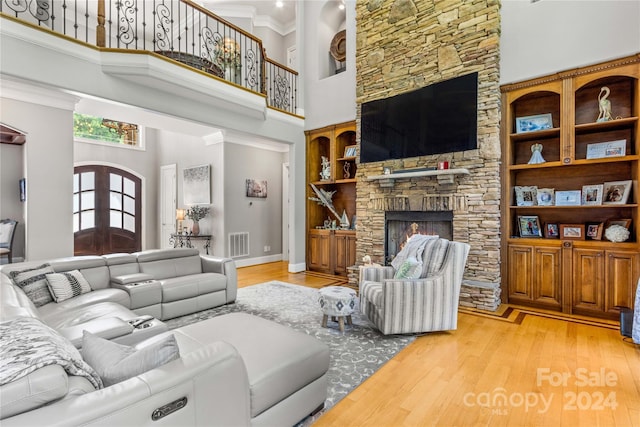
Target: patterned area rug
[{"x": 356, "y": 353}]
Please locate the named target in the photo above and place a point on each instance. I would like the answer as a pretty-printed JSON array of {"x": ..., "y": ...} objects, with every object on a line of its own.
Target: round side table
[{"x": 338, "y": 302}]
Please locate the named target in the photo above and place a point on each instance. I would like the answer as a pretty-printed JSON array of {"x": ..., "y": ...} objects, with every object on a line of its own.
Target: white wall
[
  {"x": 328, "y": 100},
  {"x": 48, "y": 168},
  {"x": 551, "y": 35}
]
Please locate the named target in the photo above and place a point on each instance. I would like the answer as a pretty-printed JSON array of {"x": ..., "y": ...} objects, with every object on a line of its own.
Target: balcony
[{"x": 175, "y": 31}]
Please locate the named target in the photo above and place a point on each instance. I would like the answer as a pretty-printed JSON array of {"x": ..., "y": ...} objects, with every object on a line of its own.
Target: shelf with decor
[
  {"x": 331, "y": 168},
  {"x": 570, "y": 173}
]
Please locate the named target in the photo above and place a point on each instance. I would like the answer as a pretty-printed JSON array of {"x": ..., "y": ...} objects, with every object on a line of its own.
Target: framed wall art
[
  {"x": 572, "y": 231},
  {"x": 256, "y": 188},
  {"x": 196, "y": 185},
  {"x": 534, "y": 123},
  {"x": 616, "y": 192},
  {"x": 529, "y": 226}
]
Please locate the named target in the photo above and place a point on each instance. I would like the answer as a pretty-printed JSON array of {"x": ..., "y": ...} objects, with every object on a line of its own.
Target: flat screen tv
[{"x": 439, "y": 118}]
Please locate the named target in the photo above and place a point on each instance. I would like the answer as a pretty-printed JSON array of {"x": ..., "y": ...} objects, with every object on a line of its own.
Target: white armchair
[{"x": 424, "y": 304}]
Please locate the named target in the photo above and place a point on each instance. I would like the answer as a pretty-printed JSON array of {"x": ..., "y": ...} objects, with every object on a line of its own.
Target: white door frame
[
  {"x": 285, "y": 211},
  {"x": 168, "y": 203}
]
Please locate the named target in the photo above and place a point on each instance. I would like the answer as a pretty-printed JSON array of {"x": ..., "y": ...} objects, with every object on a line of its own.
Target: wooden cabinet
[
  {"x": 586, "y": 275},
  {"x": 331, "y": 167}
]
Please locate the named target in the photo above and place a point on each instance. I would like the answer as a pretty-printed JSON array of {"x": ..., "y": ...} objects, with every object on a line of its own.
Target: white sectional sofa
[{"x": 231, "y": 370}]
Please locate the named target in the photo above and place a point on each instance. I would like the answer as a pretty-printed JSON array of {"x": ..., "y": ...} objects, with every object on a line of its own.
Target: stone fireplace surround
[{"x": 404, "y": 45}]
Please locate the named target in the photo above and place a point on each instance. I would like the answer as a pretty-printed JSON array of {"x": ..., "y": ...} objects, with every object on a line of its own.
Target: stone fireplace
[
  {"x": 403, "y": 45},
  {"x": 401, "y": 225}
]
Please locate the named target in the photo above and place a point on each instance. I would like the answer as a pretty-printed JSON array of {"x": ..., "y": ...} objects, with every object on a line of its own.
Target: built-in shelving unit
[
  {"x": 331, "y": 250},
  {"x": 586, "y": 275}
]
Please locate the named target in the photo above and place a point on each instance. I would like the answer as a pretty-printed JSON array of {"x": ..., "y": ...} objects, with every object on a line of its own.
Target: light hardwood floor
[{"x": 518, "y": 369}]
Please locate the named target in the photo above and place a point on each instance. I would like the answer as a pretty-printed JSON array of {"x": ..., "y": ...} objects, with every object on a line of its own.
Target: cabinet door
[
  {"x": 588, "y": 281},
  {"x": 319, "y": 252},
  {"x": 621, "y": 280},
  {"x": 547, "y": 278},
  {"x": 345, "y": 245},
  {"x": 520, "y": 270}
]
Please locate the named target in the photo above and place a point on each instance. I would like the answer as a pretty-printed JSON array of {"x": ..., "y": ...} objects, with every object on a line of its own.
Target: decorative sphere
[{"x": 616, "y": 233}]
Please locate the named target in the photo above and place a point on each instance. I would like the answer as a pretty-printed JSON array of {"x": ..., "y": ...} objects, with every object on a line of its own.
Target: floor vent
[{"x": 238, "y": 244}]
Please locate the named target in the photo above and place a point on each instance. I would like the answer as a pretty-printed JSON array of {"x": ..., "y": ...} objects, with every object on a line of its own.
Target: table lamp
[{"x": 180, "y": 218}]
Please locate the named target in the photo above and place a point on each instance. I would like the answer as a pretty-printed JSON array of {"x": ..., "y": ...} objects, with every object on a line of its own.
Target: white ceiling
[{"x": 262, "y": 12}]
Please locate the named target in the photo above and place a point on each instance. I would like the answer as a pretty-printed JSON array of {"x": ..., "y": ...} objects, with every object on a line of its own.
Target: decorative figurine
[
  {"x": 325, "y": 175},
  {"x": 347, "y": 169},
  {"x": 536, "y": 154},
  {"x": 604, "y": 105}
]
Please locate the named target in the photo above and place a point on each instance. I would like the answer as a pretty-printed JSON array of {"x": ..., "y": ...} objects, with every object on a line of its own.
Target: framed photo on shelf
[
  {"x": 607, "y": 149},
  {"x": 350, "y": 151},
  {"x": 545, "y": 196},
  {"x": 534, "y": 123},
  {"x": 593, "y": 230},
  {"x": 616, "y": 192},
  {"x": 592, "y": 194},
  {"x": 568, "y": 198},
  {"x": 551, "y": 231},
  {"x": 529, "y": 226},
  {"x": 526, "y": 196},
  {"x": 572, "y": 231},
  {"x": 625, "y": 222}
]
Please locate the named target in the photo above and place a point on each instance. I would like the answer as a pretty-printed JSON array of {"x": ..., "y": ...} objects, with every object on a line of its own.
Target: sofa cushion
[
  {"x": 38, "y": 388},
  {"x": 72, "y": 316},
  {"x": 409, "y": 269},
  {"x": 118, "y": 296},
  {"x": 69, "y": 284},
  {"x": 279, "y": 360},
  {"x": 116, "y": 362},
  {"x": 33, "y": 282},
  {"x": 183, "y": 287}
]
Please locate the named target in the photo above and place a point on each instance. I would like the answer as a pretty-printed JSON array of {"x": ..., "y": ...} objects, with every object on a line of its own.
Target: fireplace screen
[{"x": 399, "y": 226}]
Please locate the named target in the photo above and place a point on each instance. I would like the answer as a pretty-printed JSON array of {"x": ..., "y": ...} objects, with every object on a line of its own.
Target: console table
[{"x": 181, "y": 240}]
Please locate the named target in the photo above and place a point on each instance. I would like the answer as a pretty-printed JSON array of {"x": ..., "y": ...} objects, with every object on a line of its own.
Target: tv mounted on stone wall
[{"x": 435, "y": 119}]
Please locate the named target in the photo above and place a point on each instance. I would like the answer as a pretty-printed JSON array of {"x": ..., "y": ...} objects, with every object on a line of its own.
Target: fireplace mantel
[{"x": 444, "y": 176}]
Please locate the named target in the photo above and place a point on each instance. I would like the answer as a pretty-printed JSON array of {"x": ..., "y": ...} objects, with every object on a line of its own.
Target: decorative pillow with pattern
[
  {"x": 410, "y": 269},
  {"x": 116, "y": 362},
  {"x": 67, "y": 285},
  {"x": 33, "y": 282}
]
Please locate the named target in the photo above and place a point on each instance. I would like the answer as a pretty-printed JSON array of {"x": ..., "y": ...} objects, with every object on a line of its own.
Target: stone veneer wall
[{"x": 403, "y": 45}]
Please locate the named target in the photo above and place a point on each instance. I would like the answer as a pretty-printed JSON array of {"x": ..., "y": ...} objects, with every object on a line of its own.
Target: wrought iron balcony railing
[{"x": 178, "y": 29}]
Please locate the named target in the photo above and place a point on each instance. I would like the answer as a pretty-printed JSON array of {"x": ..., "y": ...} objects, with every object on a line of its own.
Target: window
[{"x": 88, "y": 128}]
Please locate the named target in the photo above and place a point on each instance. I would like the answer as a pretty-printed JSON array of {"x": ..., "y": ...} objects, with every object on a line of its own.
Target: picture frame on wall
[
  {"x": 592, "y": 194},
  {"x": 529, "y": 226},
  {"x": 23, "y": 189},
  {"x": 196, "y": 185},
  {"x": 572, "y": 231},
  {"x": 593, "y": 230},
  {"x": 526, "y": 195},
  {"x": 256, "y": 188},
  {"x": 616, "y": 192},
  {"x": 534, "y": 123}
]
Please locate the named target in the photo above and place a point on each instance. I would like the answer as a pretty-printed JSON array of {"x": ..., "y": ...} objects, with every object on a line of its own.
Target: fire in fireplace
[{"x": 400, "y": 225}]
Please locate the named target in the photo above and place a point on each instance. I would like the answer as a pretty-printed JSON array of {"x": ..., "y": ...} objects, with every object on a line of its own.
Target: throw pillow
[
  {"x": 33, "y": 282},
  {"x": 410, "y": 269},
  {"x": 116, "y": 362},
  {"x": 67, "y": 285}
]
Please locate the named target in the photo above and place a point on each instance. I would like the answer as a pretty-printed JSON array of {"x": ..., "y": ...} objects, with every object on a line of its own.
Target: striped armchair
[{"x": 428, "y": 303}]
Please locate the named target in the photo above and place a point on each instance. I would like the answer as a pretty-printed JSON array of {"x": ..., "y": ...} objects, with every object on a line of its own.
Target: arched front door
[{"x": 107, "y": 210}]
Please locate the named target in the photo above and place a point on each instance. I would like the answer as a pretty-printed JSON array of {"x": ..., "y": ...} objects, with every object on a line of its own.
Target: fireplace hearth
[{"x": 401, "y": 225}]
